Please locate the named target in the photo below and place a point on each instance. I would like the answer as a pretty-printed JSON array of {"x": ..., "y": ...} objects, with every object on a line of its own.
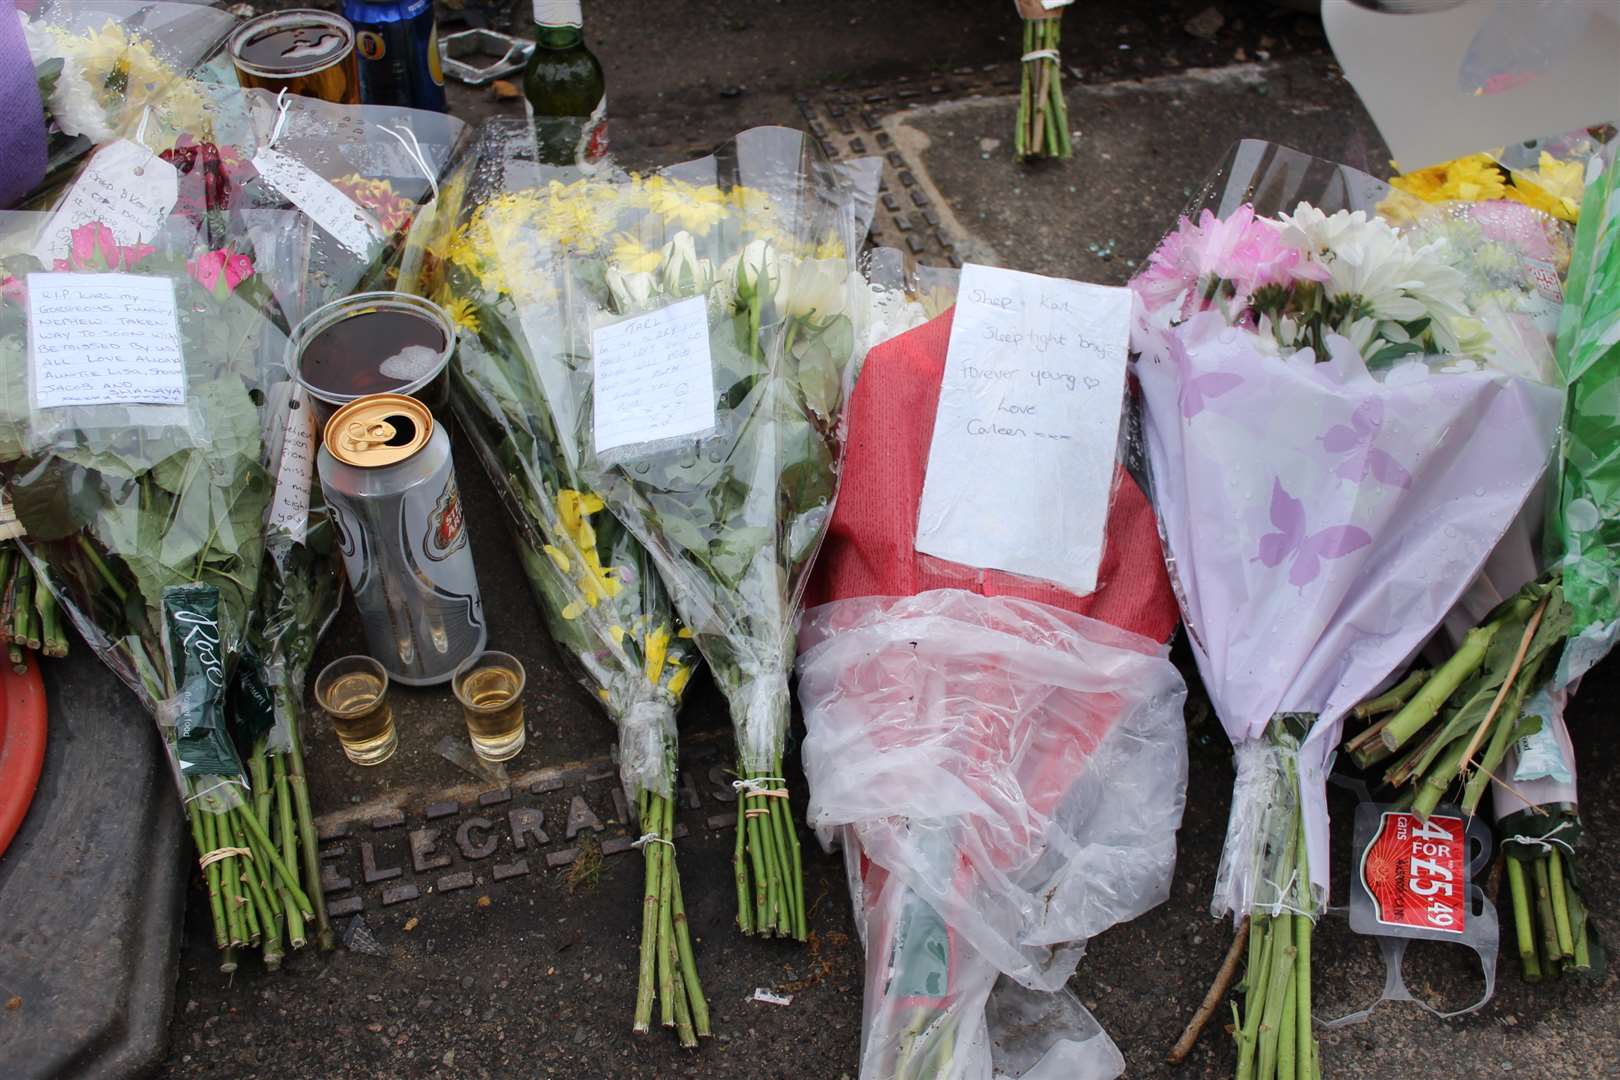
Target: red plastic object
[{"x": 22, "y": 745}]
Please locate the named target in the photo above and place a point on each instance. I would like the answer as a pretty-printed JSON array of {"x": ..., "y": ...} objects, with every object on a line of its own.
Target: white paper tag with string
[
  {"x": 289, "y": 507},
  {"x": 126, "y": 187},
  {"x": 344, "y": 219}
]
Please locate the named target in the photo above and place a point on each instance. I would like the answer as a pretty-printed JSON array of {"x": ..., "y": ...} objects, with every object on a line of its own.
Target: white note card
[
  {"x": 125, "y": 187},
  {"x": 289, "y": 506},
  {"x": 345, "y": 220},
  {"x": 104, "y": 339},
  {"x": 1022, "y": 460},
  {"x": 653, "y": 376}
]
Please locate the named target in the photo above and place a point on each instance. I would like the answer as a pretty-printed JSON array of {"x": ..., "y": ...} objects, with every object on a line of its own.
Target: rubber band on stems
[{"x": 223, "y": 853}]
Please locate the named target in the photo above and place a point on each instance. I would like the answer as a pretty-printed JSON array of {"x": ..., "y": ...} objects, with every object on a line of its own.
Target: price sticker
[{"x": 1416, "y": 872}]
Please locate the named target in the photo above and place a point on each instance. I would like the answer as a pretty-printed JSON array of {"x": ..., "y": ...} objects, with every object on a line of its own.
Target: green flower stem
[
  {"x": 1391, "y": 699},
  {"x": 739, "y": 869},
  {"x": 306, "y": 828},
  {"x": 259, "y": 774},
  {"x": 666, "y": 932},
  {"x": 211, "y": 875},
  {"x": 288, "y": 840},
  {"x": 1288, "y": 1034},
  {"x": 1303, "y": 926},
  {"x": 1416, "y": 713},
  {"x": 1438, "y": 780},
  {"x": 38, "y": 635},
  {"x": 1546, "y": 922},
  {"x": 796, "y": 890},
  {"x": 1495, "y": 751},
  {"x": 1583, "y": 949},
  {"x": 21, "y": 607},
  {"x": 1257, "y": 978},
  {"x": 645, "y": 802},
  {"x": 1280, "y": 975},
  {"x": 288, "y": 878},
  {"x": 1560, "y": 904},
  {"x": 683, "y": 947}
]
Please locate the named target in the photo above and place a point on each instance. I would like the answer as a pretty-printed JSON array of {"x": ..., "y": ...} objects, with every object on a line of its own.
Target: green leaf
[
  {"x": 55, "y": 499},
  {"x": 822, "y": 357}
]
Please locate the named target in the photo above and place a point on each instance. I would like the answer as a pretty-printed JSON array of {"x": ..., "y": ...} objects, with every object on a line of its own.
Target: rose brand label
[{"x": 1416, "y": 872}]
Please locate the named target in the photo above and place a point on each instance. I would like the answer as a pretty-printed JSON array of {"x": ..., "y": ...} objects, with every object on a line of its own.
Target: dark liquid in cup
[
  {"x": 292, "y": 47},
  {"x": 345, "y": 358}
]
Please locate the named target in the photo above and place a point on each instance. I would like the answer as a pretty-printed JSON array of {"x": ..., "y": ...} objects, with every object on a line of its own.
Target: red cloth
[{"x": 870, "y": 546}]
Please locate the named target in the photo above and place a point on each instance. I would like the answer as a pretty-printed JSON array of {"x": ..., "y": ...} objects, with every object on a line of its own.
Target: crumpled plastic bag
[{"x": 1007, "y": 779}]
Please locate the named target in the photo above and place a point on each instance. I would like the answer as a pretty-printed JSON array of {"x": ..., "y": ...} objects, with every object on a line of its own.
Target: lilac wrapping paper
[
  {"x": 1320, "y": 522},
  {"x": 22, "y": 117}
]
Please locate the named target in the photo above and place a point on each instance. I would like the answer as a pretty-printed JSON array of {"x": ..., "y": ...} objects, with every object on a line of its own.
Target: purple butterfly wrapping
[{"x": 1320, "y": 521}]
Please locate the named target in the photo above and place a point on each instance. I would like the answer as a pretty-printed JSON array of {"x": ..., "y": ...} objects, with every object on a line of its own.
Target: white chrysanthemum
[
  {"x": 814, "y": 288},
  {"x": 1390, "y": 279},
  {"x": 73, "y": 103}
]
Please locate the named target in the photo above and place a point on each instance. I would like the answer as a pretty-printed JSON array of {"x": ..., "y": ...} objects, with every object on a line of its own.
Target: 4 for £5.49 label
[{"x": 1416, "y": 871}]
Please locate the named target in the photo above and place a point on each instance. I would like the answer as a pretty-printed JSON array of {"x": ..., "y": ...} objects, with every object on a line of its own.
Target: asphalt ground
[{"x": 498, "y": 914}]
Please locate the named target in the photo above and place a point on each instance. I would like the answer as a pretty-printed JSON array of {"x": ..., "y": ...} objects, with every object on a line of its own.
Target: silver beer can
[{"x": 385, "y": 470}]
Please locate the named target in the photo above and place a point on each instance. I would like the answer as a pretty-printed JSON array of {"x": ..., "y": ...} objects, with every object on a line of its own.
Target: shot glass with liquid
[
  {"x": 354, "y": 693},
  {"x": 490, "y": 689}
]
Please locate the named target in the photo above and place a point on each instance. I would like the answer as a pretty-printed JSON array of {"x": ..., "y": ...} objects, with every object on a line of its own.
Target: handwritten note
[
  {"x": 104, "y": 339},
  {"x": 653, "y": 376},
  {"x": 343, "y": 219},
  {"x": 1022, "y": 459},
  {"x": 289, "y": 506},
  {"x": 126, "y": 187}
]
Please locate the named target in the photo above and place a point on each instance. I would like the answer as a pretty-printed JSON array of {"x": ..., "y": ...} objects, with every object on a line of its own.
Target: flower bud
[{"x": 631, "y": 291}]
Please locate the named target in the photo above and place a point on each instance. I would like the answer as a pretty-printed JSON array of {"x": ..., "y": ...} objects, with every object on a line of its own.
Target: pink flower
[
  {"x": 220, "y": 271},
  {"x": 1516, "y": 225},
  {"x": 1242, "y": 250},
  {"x": 93, "y": 246},
  {"x": 14, "y": 289}
]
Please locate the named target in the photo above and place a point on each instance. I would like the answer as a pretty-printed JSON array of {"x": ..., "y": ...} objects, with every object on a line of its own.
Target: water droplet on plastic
[{"x": 1479, "y": 492}]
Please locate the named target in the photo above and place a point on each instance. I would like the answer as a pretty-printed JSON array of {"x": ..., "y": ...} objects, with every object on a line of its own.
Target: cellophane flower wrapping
[
  {"x": 147, "y": 519},
  {"x": 1007, "y": 779},
  {"x": 101, "y": 63},
  {"x": 762, "y": 231},
  {"x": 1002, "y": 762},
  {"x": 1341, "y": 423},
  {"x": 495, "y": 257}
]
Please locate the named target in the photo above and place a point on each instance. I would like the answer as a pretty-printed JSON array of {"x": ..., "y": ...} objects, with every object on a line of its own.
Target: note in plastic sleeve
[
  {"x": 103, "y": 339},
  {"x": 1022, "y": 460},
  {"x": 653, "y": 376}
]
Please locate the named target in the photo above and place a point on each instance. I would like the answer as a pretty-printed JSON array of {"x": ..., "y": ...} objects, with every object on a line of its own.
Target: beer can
[
  {"x": 386, "y": 473},
  {"x": 398, "y": 43},
  {"x": 302, "y": 51}
]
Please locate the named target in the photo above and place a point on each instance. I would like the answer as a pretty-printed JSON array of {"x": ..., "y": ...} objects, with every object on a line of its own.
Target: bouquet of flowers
[
  {"x": 1493, "y": 710},
  {"x": 131, "y": 437},
  {"x": 494, "y": 257},
  {"x": 98, "y": 64},
  {"x": 1002, "y": 761},
  {"x": 730, "y": 484},
  {"x": 1043, "y": 115},
  {"x": 1337, "y": 441}
]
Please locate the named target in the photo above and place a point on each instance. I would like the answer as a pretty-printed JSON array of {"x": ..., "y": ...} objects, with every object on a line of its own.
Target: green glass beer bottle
[{"x": 563, "y": 88}]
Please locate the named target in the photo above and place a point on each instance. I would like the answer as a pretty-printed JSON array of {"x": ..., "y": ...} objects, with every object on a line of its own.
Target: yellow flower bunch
[
  {"x": 1474, "y": 178},
  {"x": 1553, "y": 187},
  {"x": 692, "y": 207},
  {"x": 596, "y": 582}
]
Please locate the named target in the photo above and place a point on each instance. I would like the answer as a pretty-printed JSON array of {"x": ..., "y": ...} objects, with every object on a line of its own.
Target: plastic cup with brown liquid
[
  {"x": 354, "y": 693},
  {"x": 302, "y": 51},
  {"x": 490, "y": 689}
]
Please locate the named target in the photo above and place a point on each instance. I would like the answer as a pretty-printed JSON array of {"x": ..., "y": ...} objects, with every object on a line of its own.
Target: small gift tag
[
  {"x": 289, "y": 507},
  {"x": 1021, "y": 464},
  {"x": 126, "y": 187},
  {"x": 345, "y": 220},
  {"x": 653, "y": 377},
  {"x": 103, "y": 339}
]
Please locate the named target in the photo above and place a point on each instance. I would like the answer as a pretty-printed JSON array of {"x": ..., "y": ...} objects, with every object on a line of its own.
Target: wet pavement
[{"x": 493, "y": 919}]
